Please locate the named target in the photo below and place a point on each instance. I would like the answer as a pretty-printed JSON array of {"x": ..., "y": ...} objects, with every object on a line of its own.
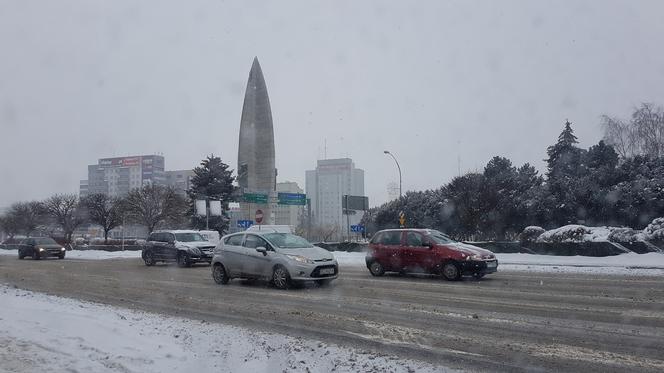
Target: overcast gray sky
[{"x": 429, "y": 81}]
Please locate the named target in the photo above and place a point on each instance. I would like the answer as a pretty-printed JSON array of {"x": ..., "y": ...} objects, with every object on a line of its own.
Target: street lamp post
[{"x": 398, "y": 167}]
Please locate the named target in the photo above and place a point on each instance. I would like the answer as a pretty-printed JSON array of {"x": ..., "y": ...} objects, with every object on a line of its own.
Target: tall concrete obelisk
[{"x": 256, "y": 169}]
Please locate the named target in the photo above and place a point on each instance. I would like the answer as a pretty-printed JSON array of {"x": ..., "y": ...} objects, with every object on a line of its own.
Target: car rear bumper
[{"x": 472, "y": 267}]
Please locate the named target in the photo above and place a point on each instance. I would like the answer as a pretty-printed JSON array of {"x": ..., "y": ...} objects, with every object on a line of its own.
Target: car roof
[{"x": 176, "y": 231}]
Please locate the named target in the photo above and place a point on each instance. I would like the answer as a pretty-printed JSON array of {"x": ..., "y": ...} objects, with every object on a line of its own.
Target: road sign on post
[
  {"x": 259, "y": 216},
  {"x": 296, "y": 199},
  {"x": 359, "y": 228},
  {"x": 255, "y": 198},
  {"x": 245, "y": 223}
]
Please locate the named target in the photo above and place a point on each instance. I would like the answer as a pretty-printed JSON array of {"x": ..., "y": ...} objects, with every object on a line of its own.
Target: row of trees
[
  {"x": 594, "y": 186},
  {"x": 151, "y": 206}
]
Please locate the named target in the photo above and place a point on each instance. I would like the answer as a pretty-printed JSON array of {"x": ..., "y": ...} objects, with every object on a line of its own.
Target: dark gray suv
[{"x": 180, "y": 246}]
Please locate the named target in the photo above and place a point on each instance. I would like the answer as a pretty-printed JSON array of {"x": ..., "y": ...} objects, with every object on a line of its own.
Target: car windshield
[
  {"x": 440, "y": 238},
  {"x": 45, "y": 241},
  {"x": 189, "y": 237},
  {"x": 287, "y": 241}
]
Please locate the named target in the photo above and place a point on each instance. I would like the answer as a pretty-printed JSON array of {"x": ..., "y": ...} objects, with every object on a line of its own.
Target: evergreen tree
[
  {"x": 212, "y": 181},
  {"x": 564, "y": 156},
  {"x": 564, "y": 168}
]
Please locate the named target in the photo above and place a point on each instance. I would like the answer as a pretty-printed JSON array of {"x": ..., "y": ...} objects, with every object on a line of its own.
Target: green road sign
[
  {"x": 292, "y": 199},
  {"x": 255, "y": 198}
]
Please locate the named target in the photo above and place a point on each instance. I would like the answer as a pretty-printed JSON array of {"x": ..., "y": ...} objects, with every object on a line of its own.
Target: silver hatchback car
[{"x": 282, "y": 258}]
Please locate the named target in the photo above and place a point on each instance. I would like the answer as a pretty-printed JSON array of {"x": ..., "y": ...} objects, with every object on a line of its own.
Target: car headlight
[
  {"x": 62, "y": 249},
  {"x": 474, "y": 257},
  {"x": 300, "y": 258},
  {"x": 41, "y": 249}
]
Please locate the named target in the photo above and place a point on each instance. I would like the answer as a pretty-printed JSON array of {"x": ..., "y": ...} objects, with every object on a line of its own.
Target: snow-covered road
[
  {"x": 43, "y": 333},
  {"x": 651, "y": 264}
]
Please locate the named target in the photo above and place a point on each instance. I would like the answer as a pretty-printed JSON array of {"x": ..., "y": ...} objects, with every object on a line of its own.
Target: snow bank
[{"x": 46, "y": 333}]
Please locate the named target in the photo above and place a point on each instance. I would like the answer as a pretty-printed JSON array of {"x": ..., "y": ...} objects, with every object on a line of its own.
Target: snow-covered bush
[
  {"x": 567, "y": 233},
  {"x": 655, "y": 230},
  {"x": 625, "y": 235},
  {"x": 531, "y": 233}
]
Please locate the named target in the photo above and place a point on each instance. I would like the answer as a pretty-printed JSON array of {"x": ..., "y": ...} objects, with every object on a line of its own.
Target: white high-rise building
[
  {"x": 326, "y": 186},
  {"x": 392, "y": 191}
]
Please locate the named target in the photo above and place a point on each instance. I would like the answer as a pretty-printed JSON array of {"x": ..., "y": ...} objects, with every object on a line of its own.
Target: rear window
[
  {"x": 388, "y": 238},
  {"x": 234, "y": 240}
]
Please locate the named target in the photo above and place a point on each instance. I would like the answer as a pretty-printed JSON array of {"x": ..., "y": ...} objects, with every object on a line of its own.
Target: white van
[{"x": 270, "y": 228}]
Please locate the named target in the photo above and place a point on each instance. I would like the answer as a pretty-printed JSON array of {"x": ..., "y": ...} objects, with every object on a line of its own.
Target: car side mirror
[
  {"x": 261, "y": 249},
  {"x": 171, "y": 241},
  {"x": 427, "y": 244}
]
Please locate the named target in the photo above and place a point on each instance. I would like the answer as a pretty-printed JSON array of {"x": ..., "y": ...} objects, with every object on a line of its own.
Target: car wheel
[
  {"x": 20, "y": 255},
  {"x": 281, "y": 278},
  {"x": 478, "y": 275},
  {"x": 451, "y": 271},
  {"x": 35, "y": 255},
  {"x": 183, "y": 260},
  {"x": 376, "y": 269},
  {"x": 148, "y": 258},
  {"x": 219, "y": 274},
  {"x": 61, "y": 256}
]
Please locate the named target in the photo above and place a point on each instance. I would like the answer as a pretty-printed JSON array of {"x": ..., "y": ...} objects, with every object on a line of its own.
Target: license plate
[
  {"x": 492, "y": 264},
  {"x": 326, "y": 271}
]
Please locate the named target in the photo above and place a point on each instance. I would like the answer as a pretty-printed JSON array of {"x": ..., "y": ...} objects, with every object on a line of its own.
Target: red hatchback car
[{"x": 427, "y": 251}]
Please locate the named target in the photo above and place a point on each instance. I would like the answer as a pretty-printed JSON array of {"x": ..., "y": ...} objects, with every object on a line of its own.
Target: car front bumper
[
  {"x": 312, "y": 272},
  {"x": 471, "y": 267}
]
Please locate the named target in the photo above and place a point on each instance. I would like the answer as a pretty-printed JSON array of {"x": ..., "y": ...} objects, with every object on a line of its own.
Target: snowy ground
[
  {"x": 46, "y": 333},
  {"x": 651, "y": 264}
]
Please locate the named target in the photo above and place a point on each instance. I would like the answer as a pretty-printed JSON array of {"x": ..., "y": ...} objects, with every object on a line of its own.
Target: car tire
[
  {"x": 61, "y": 256},
  {"x": 376, "y": 269},
  {"x": 451, "y": 271},
  {"x": 148, "y": 258},
  {"x": 35, "y": 255},
  {"x": 183, "y": 260},
  {"x": 281, "y": 278},
  {"x": 219, "y": 274},
  {"x": 20, "y": 255}
]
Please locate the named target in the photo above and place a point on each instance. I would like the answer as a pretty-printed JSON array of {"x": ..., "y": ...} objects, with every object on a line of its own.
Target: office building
[
  {"x": 117, "y": 176},
  {"x": 326, "y": 186},
  {"x": 180, "y": 180}
]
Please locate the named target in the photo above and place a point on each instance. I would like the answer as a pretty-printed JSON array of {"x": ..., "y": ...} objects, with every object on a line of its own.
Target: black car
[
  {"x": 181, "y": 246},
  {"x": 40, "y": 247}
]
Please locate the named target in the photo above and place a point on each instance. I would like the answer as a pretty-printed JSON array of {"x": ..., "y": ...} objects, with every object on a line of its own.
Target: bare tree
[
  {"x": 10, "y": 224},
  {"x": 648, "y": 123},
  {"x": 153, "y": 205},
  {"x": 27, "y": 215},
  {"x": 66, "y": 212},
  {"x": 620, "y": 135},
  {"x": 644, "y": 134},
  {"x": 104, "y": 210}
]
